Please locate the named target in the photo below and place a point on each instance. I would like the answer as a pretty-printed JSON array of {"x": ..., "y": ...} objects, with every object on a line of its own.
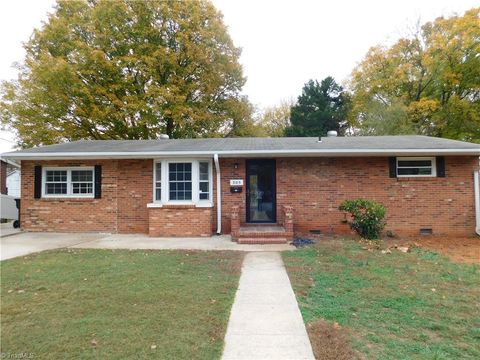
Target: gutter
[
  {"x": 237, "y": 153},
  {"x": 219, "y": 194},
  {"x": 476, "y": 182}
]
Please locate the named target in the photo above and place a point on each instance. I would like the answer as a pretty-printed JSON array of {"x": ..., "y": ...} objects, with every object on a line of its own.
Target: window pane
[
  {"x": 414, "y": 163},
  {"x": 56, "y": 175},
  {"x": 414, "y": 171},
  {"x": 158, "y": 172},
  {"x": 56, "y": 188},
  {"x": 180, "y": 181},
  {"x": 82, "y": 175},
  {"x": 204, "y": 171},
  {"x": 82, "y": 188},
  {"x": 158, "y": 181},
  {"x": 203, "y": 186},
  {"x": 204, "y": 196}
]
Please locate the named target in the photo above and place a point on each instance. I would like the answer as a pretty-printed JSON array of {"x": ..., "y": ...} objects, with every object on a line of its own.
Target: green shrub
[{"x": 367, "y": 217}]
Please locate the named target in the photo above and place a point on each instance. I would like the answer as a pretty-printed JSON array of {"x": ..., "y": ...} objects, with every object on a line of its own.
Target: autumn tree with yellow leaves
[
  {"x": 427, "y": 84},
  {"x": 127, "y": 69}
]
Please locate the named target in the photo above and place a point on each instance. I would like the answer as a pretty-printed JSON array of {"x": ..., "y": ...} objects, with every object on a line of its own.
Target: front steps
[{"x": 263, "y": 234}]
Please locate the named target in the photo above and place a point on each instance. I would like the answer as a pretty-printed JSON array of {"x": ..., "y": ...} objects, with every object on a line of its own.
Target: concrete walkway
[
  {"x": 140, "y": 241},
  {"x": 26, "y": 243},
  {"x": 265, "y": 322}
]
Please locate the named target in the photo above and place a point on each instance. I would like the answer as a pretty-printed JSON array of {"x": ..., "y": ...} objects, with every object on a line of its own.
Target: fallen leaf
[{"x": 153, "y": 347}]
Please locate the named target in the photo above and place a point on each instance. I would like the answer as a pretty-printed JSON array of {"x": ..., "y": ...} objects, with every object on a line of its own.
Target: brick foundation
[{"x": 178, "y": 220}]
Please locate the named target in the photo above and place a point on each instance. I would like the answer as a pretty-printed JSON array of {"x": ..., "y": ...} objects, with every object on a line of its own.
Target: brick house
[{"x": 257, "y": 189}]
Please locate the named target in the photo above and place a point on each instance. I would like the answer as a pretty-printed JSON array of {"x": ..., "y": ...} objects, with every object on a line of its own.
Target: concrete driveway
[
  {"x": 7, "y": 229},
  {"x": 27, "y": 243}
]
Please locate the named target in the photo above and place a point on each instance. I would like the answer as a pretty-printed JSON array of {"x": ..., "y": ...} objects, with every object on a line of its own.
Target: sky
[{"x": 284, "y": 42}]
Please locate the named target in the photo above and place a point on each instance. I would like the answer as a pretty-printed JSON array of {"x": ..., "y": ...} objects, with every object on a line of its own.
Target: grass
[
  {"x": 117, "y": 304},
  {"x": 415, "y": 305}
]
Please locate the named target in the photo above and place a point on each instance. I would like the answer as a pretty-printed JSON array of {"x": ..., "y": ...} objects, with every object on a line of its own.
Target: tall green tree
[
  {"x": 321, "y": 107},
  {"x": 428, "y": 83},
  {"x": 125, "y": 69}
]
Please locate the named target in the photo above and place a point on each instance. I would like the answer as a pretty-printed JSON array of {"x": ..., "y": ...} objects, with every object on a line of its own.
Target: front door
[{"x": 261, "y": 192}]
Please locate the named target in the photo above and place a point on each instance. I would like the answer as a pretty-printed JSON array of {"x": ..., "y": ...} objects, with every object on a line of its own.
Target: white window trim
[
  {"x": 69, "y": 193},
  {"x": 195, "y": 183},
  {"x": 433, "y": 167}
]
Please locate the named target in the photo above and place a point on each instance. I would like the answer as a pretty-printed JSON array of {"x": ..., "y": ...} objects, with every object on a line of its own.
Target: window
[
  {"x": 56, "y": 182},
  {"x": 180, "y": 181},
  {"x": 204, "y": 181},
  {"x": 82, "y": 182},
  {"x": 158, "y": 181},
  {"x": 416, "y": 166},
  {"x": 65, "y": 182}
]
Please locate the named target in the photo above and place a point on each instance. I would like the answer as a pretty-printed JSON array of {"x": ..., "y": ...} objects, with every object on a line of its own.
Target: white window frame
[
  {"x": 69, "y": 193},
  {"x": 433, "y": 167},
  {"x": 165, "y": 193}
]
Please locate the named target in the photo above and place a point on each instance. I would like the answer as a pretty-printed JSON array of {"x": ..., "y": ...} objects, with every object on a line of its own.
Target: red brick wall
[
  {"x": 228, "y": 172},
  {"x": 180, "y": 220},
  {"x": 135, "y": 191},
  {"x": 70, "y": 215},
  {"x": 314, "y": 187}
]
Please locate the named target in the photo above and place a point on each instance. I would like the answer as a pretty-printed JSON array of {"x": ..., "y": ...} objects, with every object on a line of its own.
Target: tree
[
  {"x": 321, "y": 107},
  {"x": 275, "y": 119},
  {"x": 125, "y": 69},
  {"x": 243, "y": 122},
  {"x": 431, "y": 79}
]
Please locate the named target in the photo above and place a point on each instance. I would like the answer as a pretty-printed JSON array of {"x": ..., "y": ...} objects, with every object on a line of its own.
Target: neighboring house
[
  {"x": 257, "y": 189},
  {"x": 9, "y": 204},
  {"x": 13, "y": 183}
]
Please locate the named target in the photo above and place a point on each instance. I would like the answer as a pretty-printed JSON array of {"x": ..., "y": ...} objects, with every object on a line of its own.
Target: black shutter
[
  {"x": 37, "y": 180},
  {"x": 98, "y": 181},
  {"x": 440, "y": 166},
  {"x": 392, "y": 164}
]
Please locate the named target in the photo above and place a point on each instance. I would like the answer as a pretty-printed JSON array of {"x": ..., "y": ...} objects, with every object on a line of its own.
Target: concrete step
[
  {"x": 262, "y": 240},
  {"x": 262, "y": 234}
]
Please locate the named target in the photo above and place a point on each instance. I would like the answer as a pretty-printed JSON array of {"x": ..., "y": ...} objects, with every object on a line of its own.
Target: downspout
[
  {"x": 476, "y": 183},
  {"x": 219, "y": 195}
]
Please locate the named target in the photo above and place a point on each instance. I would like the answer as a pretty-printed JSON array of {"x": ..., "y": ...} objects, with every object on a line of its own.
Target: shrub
[{"x": 367, "y": 217}]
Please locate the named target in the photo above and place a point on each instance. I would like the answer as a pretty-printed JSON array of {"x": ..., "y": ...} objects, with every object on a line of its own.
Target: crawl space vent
[
  {"x": 426, "y": 231},
  {"x": 314, "y": 231}
]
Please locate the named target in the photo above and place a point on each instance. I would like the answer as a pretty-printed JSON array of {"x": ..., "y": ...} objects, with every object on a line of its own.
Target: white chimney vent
[{"x": 332, "y": 133}]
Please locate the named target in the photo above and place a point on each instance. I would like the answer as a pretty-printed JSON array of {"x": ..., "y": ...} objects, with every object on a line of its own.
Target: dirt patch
[
  {"x": 458, "y": 249},
  {"x": 329, "y": 341}
]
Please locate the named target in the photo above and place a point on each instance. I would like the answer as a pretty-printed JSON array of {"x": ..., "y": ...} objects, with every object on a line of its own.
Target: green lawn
[
  {"x": 117, "y": 304},
  {"x": 415, "y": 305}
]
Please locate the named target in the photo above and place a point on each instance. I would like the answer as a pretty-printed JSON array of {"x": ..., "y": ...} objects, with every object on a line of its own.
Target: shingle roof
[{"x": 354, "y": 145}]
